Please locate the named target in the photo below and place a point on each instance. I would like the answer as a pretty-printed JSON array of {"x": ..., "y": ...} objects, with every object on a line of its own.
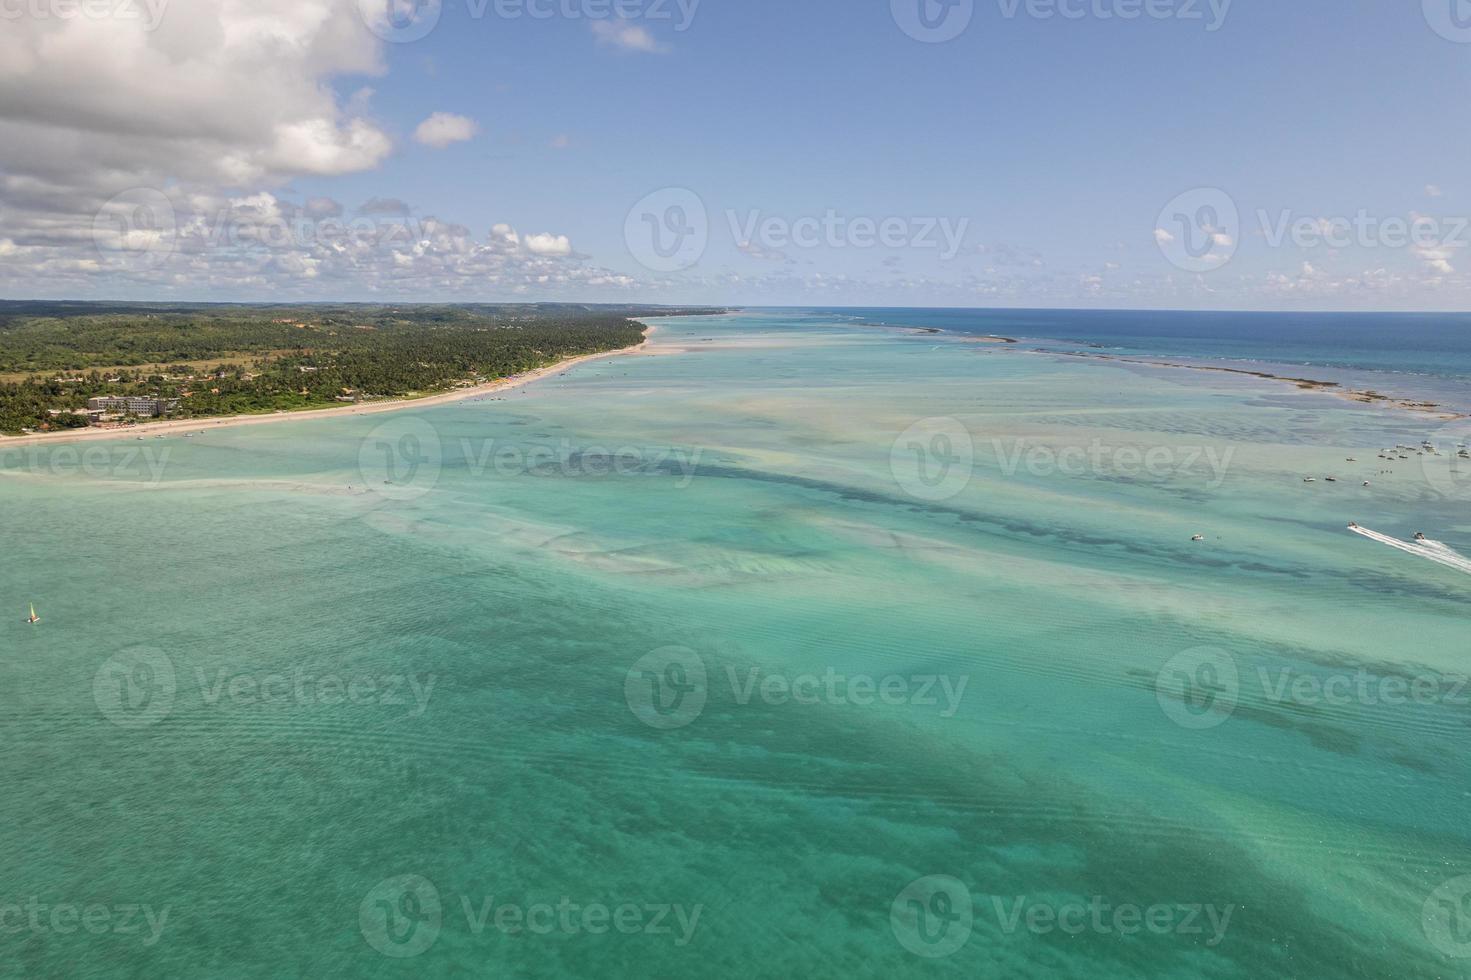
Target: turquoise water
[{"x": 319, "y": 724}]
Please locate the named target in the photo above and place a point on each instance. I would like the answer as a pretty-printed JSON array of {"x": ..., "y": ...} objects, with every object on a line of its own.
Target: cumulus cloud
[
  {"x": 262, "y": 246},
  {"x": 625, "y": 36},
  {"x": 445, "y": 128},
  {"x": 99, "y": 117},
  {"x": 546, "y": 244},
  {"x": 1438, "y": 259},
  {"x": 232, "y": 91}
]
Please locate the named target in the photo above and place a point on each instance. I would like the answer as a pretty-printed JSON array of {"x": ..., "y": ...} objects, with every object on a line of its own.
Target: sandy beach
[{"x": 371, "y": 408}]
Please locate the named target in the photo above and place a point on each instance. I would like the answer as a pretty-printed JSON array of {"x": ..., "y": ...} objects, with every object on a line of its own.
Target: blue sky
[{"x": 1025, "y": 162}]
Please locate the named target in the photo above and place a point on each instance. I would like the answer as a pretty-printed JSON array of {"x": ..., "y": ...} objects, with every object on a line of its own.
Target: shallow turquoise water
[{"x": 460, "y": 665}]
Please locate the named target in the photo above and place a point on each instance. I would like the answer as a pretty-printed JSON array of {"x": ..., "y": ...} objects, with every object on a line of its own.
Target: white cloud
[
  {"x": 546, "y": 244},
  {"x": 223, "y": 96},
  {"x": 626, "y": 36},
  {"x": 444, "y": 128},
  {"x": 235, "y": 91},
  {"x": 1433, "y": 190},
  {"x": 1438, "y": 259},
  {"x": 1162, "y": 236},
  {"x": 263, "y": 246}
]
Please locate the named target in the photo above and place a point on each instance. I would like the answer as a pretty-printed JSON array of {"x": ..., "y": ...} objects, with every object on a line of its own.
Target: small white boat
[{"x": 1198, "y": 537}]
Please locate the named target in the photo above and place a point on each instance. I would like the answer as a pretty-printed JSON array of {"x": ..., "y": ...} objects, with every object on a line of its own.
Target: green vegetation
[{"x": 269, "y": 358}]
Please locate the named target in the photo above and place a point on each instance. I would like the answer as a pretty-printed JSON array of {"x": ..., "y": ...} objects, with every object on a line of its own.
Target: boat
[
  {"x": 1198, "y": 537},
  {"x": 1310, "y": 479},
  {"x": 33, "y": 618},
  {"x": 1420, "y": 536}
]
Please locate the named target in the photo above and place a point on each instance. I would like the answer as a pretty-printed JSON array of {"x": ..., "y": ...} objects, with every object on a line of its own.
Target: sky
[{"x": 1178, "y": 154}]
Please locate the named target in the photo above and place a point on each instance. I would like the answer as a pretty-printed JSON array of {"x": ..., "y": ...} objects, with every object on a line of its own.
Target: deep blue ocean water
[{"x": 1402, "y": 354}]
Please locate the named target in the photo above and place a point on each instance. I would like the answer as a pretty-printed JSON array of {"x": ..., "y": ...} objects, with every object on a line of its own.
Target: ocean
[
  {"x": 795, "y": 645},
  {"x": 1404, "y": 354}
]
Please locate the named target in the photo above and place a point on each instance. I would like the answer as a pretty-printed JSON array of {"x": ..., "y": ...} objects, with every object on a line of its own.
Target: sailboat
[{"x": 33, "y": 618}]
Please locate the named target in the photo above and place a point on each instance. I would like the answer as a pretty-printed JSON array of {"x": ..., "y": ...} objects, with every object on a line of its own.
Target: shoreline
[{"x": 145, "y": 429}]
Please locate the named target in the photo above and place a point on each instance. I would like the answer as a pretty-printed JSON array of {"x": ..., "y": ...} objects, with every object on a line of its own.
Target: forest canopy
[{"x": 236, "y": 359}]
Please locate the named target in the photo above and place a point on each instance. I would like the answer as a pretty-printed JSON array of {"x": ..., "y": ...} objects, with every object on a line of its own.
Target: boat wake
[{"x": 1433, "y": 550}]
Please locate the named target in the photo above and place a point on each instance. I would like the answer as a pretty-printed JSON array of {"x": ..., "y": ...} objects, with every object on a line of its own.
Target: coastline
[{"x": 181, "y": 426}]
